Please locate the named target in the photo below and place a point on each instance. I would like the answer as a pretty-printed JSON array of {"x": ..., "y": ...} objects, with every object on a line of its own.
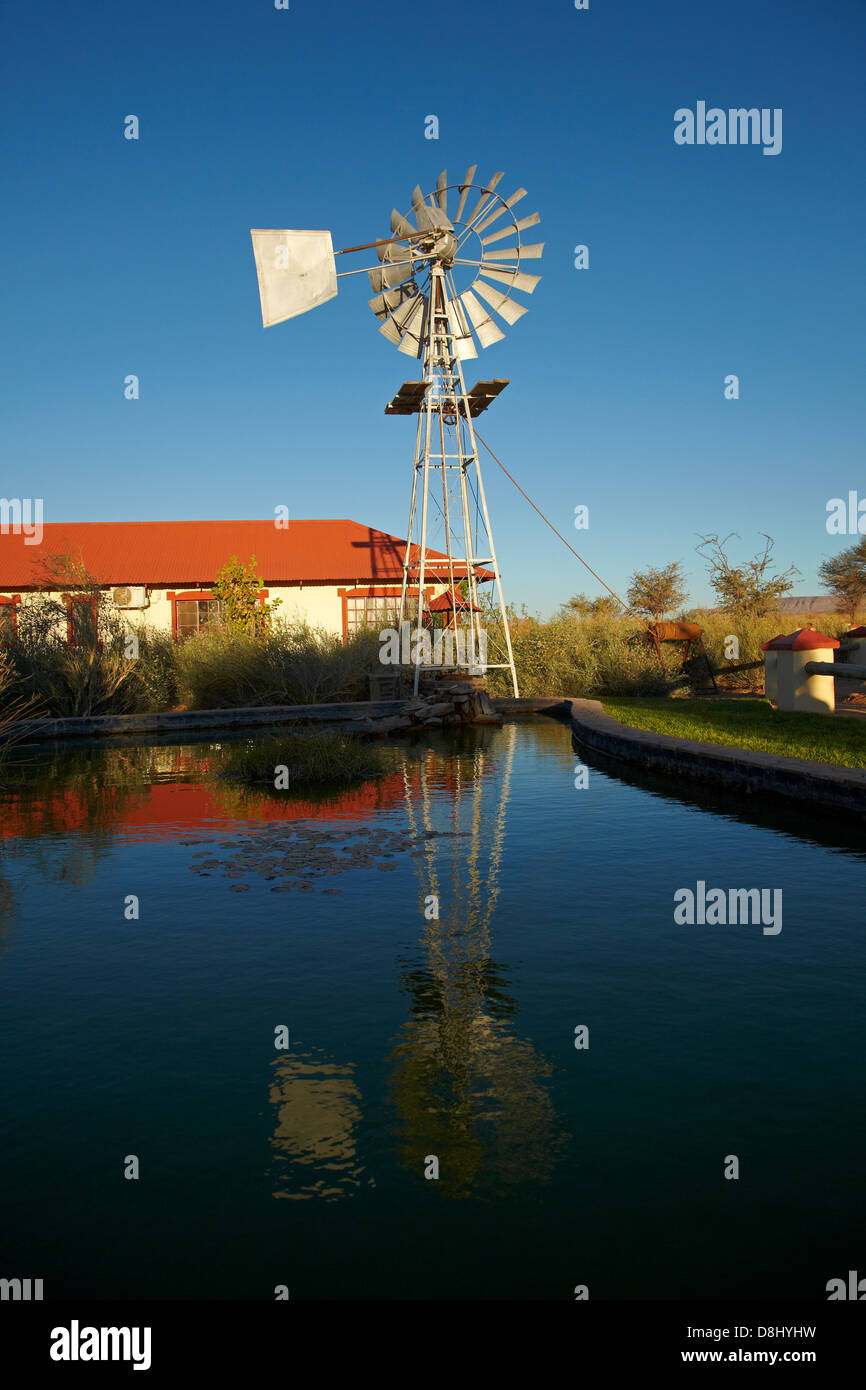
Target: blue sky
[{"x": 135, "y": 257}]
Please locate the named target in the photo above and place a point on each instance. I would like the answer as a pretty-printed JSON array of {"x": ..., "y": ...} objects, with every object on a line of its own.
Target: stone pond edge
[{"x": 799, "y": 779}]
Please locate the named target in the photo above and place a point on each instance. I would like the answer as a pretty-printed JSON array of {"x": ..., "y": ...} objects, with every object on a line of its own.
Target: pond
[{"x": 581, "y": 1066}]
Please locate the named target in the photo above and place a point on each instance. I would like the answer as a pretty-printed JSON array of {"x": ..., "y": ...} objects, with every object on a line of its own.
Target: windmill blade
[
  {"x": 392, "y": 252},
  {"x": 488, "y": 189},
  {"x": 520, "y": 226},
  {"x": 400, "y": 226},
  {"x": 391, "y": 333},
  {"x": 410, "y": 346},
  {"x": 465, "y": 349},
  {"x": 457, "y": 318},
  {"x": 399, "y": 320},
  {"x": 487, "y": 330},
  {"x": 404, "y": 317},
  {"x": 515, "y": 278},
  {"x": 414, "y": 316},
  {"x": 296, "y": 272},
  {"x": 464, "y": 344},
  {"x": 514, "y": 253},
  {"x": 432, "y": 219},
  {"x": 391, "y": 275},
  {"x": 464, "y": 191},
  {"x": 397, "y": 263},
  {"x": 507, "y": 309},
  {"x": 503, "y": 207},
  {"x": 417, "y": 198},
  {"x": 385, "y": 304},
  {"x": 441, "y": 191}
]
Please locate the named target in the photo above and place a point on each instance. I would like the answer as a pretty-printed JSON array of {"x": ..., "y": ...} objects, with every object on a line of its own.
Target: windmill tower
[{"x": 440, "y": 285}]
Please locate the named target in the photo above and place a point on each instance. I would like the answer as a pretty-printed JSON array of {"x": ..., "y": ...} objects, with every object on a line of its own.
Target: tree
[
  {"x": 845, "y": 577},
  {"x": 70, "y": 648},
  {"x": 605, "y": 606},
  {"x": 655, "y": 592},
  {"x": 751, "y": 587},
  {"x": 83, "y": 607},
  {"x": 237, "y": 587}
]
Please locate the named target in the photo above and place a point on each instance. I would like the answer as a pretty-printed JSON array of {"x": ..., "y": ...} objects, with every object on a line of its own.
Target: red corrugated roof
[{"x": 187, "y": 553}]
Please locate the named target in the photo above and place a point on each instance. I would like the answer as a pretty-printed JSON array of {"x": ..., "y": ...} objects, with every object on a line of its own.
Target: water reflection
[
  {"x": 69, "y": 805},
  {"x": 7, "y": 914},
  {"x": 318, "y": 1110},
  {"x": 466, "y": 1087},
  {"x": 465, "y": 1083},
  {"x": 840, "y": 831},
  {"x": 156, "y": 791}
]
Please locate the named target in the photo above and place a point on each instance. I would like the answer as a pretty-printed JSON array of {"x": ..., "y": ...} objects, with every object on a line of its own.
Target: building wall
[{"x": 320, "y": 605}]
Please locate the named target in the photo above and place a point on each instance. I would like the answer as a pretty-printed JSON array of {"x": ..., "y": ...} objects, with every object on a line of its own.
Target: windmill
[{"x": 440, "y": 290}]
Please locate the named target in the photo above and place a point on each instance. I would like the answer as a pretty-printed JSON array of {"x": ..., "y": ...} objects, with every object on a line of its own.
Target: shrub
[
  {"x": 63, "y": 681},
  {"x": 752, "y": 587},
  {"x": 157, "y": 669},
  {"x": 237, "y": 587},
  {"x": 94, "y": 673},
  {"x": 655, "y": 592},
  {"x": 13, "y": 705},
  {"x": 290, "y": 664},
  {"x": 588, "y": 658},
  {"x": 845, "y": 576}
]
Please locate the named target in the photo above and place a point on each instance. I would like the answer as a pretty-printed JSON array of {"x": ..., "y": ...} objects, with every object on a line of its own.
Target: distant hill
[
  {"x": 821, "y": 603},
  {"x": 817, "y": 603}
]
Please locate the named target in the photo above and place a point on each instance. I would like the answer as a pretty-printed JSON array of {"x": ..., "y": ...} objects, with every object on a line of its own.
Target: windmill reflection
[
  {"x": 466, "y": 1087},
  {"x": 317, "y": 1114}
]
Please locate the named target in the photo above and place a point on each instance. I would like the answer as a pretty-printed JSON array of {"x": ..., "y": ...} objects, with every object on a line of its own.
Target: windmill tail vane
[{"x": 441, "y": 286}]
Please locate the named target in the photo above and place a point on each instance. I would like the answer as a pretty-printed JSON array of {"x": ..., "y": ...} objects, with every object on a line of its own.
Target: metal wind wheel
[
  {"x": 449, "y": 275},
  {"x": 477, "y": 240},
  {"x": 478, "y": 253}
]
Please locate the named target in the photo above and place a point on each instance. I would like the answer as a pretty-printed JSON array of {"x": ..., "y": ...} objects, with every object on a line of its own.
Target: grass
[
  {"x": 599, "y": 657},
  {"x": 314, "y": 761},
  {"x": 291, "y": 664},
  {"x": 752, "y": 724}
]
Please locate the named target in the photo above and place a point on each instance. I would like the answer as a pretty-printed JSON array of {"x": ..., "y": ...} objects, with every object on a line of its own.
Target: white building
[{"x": 337, "y": 575}]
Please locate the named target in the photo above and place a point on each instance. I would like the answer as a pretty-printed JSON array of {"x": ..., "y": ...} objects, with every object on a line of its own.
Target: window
[
  {"x": 8, "y": 618},
  {"x": 193, "y": 615},
  {"x": 82, "y": 620},
  {"x": 376, "y": 611}
]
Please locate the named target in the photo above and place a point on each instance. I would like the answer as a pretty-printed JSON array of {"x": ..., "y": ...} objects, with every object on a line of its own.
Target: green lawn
[{"x": 752, "y": 724}]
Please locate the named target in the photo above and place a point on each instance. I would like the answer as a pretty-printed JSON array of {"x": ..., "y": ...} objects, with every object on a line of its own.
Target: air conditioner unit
[{"x": 134, "y": 596}]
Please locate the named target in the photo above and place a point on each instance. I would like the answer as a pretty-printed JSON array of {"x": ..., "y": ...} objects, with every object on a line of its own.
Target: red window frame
[
  {"x": 70, "y": 600},
  {"x": 380, "y": 591},
  {"x": 200, "y": 596},
  {"x": 10, "y": 602}
]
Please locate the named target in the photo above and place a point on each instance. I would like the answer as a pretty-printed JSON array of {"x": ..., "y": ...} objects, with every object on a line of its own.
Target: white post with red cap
[{"x": 795, "y": 688}]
